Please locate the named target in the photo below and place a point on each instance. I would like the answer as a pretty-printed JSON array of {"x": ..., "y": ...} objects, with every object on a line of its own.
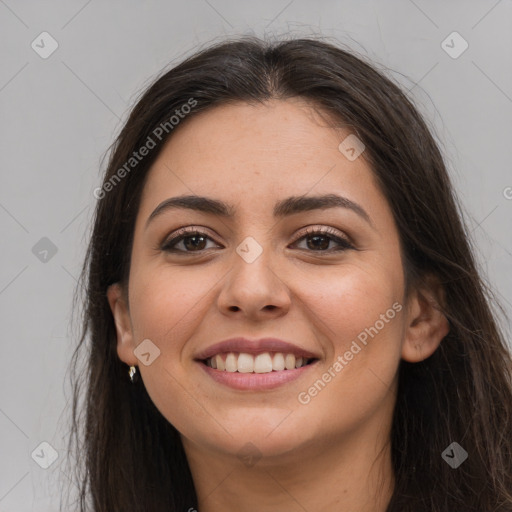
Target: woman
[{"x": 282, "y": 308}]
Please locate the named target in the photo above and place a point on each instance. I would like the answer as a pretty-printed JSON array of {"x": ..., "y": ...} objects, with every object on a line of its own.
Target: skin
[{"x": 332, "y": 453}]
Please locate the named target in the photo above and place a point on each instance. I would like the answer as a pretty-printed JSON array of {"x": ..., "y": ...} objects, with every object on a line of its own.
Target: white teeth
[
  {"x": 246, "y": 363},
  {"x": 263, "y": 363},
  {"x": 278, "y": 362},
  {"x": 219, "y": 362},
  {"x": 231, "y": 363},
  {"x": 289, "y": 361},
  {"x": 260, "y": 363}
]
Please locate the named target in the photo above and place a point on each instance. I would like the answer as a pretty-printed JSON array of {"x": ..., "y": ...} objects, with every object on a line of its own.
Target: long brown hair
[{"x": 128, "y": 456}]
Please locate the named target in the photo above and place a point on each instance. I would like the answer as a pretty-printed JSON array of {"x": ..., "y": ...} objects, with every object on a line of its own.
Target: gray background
[{"x": 60, "y": 114}]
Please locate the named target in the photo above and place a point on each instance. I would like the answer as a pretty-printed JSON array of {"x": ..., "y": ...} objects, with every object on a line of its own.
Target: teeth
[
  {"x": 261, "y": 363},
  {"x": 246, "y": 363},
  {"x": 278, "y": 362},
  {"x": 289, "y": 361},
  {"x": 219, "y": 362},
  {"x": 231, "y": 363}
]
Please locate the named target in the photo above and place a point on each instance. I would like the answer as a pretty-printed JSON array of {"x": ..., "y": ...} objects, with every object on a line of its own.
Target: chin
[{"x": 252, "y": 436}]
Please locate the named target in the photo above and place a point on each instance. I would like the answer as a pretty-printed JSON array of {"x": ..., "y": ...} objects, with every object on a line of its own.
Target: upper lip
[{"x": 248, "y": 346}]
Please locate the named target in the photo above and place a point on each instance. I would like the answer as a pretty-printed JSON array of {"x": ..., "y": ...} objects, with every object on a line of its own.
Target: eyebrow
[{"x": 283, "y": 208}]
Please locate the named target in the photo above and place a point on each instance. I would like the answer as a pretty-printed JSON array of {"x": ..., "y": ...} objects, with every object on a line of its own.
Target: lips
[
  {"x": 255, "y": 365},
  {"x": 246, "y": 346}
]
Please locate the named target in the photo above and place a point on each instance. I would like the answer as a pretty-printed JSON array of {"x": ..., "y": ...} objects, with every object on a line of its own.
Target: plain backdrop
[{"x": 59, "y": 115}]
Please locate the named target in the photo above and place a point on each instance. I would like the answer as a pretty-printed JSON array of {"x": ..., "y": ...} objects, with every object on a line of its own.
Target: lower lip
[{"x": 255, "y": 381}]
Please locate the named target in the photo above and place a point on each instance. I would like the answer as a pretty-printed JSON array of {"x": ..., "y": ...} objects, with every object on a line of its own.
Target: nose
[{"x": 254, "y": 290}]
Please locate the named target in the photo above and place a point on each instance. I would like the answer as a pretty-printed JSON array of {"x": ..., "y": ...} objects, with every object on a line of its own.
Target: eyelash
[{"x": 183, "y": 233}]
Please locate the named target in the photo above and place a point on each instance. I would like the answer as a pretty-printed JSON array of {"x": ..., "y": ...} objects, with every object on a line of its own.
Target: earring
[{"x": 132, "y": 372}]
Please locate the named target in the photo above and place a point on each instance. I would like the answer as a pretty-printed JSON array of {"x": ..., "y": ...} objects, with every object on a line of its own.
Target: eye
[
  {"x": 193, "y": 241},
  {"x": 317, "y": 240}
]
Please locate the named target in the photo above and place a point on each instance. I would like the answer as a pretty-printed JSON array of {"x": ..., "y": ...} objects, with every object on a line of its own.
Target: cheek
[
  {"x": 360, "y": 313},
  {"x": 351, "y": 299},
  {"x": 165, "y": 304}
]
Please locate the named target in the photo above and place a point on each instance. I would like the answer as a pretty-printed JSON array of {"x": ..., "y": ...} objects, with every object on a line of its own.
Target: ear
[
  {"x": 121, "y": 314},
  {"x": 426, "y": 325}
]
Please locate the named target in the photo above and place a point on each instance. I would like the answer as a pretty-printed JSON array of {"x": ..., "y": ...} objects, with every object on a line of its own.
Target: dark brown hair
[{"x": 128, "y": 456}]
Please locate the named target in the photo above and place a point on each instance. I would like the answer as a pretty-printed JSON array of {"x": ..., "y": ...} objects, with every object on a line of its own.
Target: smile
[
  {"x": 256, "y": 372},
  {"x": 265, "y": 362}
]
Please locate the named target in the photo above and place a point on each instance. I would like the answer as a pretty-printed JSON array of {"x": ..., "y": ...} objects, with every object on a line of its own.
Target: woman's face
[{"x": 260, "y": 273}]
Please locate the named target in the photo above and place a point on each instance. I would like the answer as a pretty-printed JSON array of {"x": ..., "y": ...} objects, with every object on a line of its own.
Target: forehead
[
  {"x": 257, "y": 133},
  {"x": 278, "y": 147}
]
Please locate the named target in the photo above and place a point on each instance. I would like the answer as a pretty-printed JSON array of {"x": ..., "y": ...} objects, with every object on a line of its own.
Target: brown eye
[
  {"x": 318, "y": 240},
  {"x": 193, "y": 241}
]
